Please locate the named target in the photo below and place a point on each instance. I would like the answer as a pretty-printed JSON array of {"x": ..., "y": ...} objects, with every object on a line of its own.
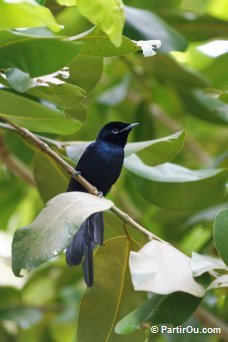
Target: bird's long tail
[{"x": 84, "y": 241}]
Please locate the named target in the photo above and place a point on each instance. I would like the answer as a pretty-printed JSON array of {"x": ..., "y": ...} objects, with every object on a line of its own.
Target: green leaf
[
  {"x": 35, "y": 116},
  {"x": 144, "y": 25},
  {"x": 221, "y": 234},
  {"x": 86, "y": 71},
  {"x": 160, "y": 309},
  {"x": 9, "y": 296},
  {"x": 174, "y": 187},
  {"x": 78, "y": 111},
  {"x": 19, "y": 80},
  {"x": 205, "y": 106},
  {"x": 107, "y": 15},
  {"x": 50, "y": 179},
  {"x": 101, "y": 46},
  {"x": 215, "y": 72},
  {"x": 112, "y": 293},
  {"x": 52, "y": 230},
  {"x": 171, "y": 72},
  {"x": 195, "y": 28},
  {"x": 25, "y": 54},
  {"x": 64, "y": 95},
  {"x": 11, "y": 193},
  {"x": 116, "y": 94},
  {"x": 27, "y": 13},
  {"x": 67, "y": 2},
  {"x": 50, "y": 88},
  {"x": 24, "y": 316},
  {"x": 157, "y": 151},
  {"x": 160, "y": 268}
]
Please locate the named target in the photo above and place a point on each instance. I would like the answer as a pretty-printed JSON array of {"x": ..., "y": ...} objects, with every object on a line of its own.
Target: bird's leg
[
  {"x": 77, "y": 173},
  {"x": 100, "y": 194}
]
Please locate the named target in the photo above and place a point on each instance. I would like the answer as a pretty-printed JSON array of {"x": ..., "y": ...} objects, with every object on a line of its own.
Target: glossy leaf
[
  {"x": 23, "y": 316},
  {"x": 221, "y": 234},
  {"x": 175, "y": 187},
  {"x": 19, "y": 80},
  {"x": 74, "y": 151},
  {"x": 205, "y": 106},
  {"x": 112, "y": 293},
  {"x": 215, "y": 72},
  {"x": 156, "y": 151},
  {"x": 35, "y": 116},
  {"x": 50, "y": 179},
  {"x": 147, "y": 25},
  {"x": 52, "y": 230},
  {"x": 160, "y": 268},
  {"x": 116, "y": 94},
  {"x": 67, "y": 2},
  {"x": 25, "y": 54},
  {"x": 64, "y": 95},
  {"x": 11, "y": 193},
  {"x": 20, "y": 14},
  {"x": 91, "y": 66},
  {"x": 106, "y": 14},
  {"x": 219, "y": 282},
  {"x": 196, "y": 27},
  {"x": 50, "y": 87},
  {"x": 159, "y": 309},
  {"x": 9, "y": 296},
  {"x": 101, "y": 46},
  {"x": 172, "y": 72}
]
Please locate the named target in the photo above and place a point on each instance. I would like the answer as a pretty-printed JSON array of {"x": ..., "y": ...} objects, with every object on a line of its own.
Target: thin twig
[
  {"x": 59, "y": 144},
  {"x": 127, "y": 219},
  {"x": 71, "y": 171}
]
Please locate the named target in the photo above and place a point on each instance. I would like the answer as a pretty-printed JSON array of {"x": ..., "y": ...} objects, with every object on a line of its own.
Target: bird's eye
[{"x": 115, "y": 131}]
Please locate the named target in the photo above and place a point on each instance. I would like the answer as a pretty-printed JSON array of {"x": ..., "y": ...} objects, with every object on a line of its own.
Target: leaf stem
[{"x": 43, "y": 147}]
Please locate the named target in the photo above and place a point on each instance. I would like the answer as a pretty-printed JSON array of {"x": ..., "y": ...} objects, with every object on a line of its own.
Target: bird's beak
[{"x": 129, "y": 127}]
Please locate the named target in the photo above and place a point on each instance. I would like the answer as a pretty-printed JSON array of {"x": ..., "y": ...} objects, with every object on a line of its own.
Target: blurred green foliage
[{"x": 183, "y": 87}]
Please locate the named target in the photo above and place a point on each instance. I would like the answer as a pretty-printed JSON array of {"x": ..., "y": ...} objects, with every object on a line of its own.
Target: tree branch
[
  {"x": 164, "y": 118},
  {"x": 43, "y": 147},
  {"x": 210, "y": 321},
  {"x": 191, "y": 143}
]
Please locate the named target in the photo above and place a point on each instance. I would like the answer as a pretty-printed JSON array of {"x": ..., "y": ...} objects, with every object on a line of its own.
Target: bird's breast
[
  {"x": 109, "y": 153},
  {"x": 109, "y": 161}
]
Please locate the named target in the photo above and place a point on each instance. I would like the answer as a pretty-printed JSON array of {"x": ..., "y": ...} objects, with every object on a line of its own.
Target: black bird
[{"x": 100, "y": 164}]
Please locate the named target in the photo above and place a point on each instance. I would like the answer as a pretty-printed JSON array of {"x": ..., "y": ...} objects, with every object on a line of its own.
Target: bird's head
[{"x": 116, "y": 132}]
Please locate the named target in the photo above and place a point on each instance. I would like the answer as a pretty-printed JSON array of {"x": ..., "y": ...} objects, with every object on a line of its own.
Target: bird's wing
[{"x": 83, "y": 165}]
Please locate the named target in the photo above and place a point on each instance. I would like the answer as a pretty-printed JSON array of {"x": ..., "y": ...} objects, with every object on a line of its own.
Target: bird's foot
[
  {"x": 100, "y": 194},
  {"x": 77, "y": 173}
]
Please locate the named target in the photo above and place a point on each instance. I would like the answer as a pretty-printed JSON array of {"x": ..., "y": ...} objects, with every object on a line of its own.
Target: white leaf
[
  {"x": 166, "y": 147},
  {"x": 52, "y": 230},
  {"x": 76, "y": 149},
  {"x": 221, "y": 281},
  {"x": 204, "y": 263},
  {"x": 149, "y": 47},
  {"x": 160, "y": 268}
]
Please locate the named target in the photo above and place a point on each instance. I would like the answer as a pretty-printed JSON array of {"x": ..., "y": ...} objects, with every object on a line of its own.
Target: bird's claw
[
  {"x": 78, "y": 173},
  {"x": 100, "y": 194}
]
